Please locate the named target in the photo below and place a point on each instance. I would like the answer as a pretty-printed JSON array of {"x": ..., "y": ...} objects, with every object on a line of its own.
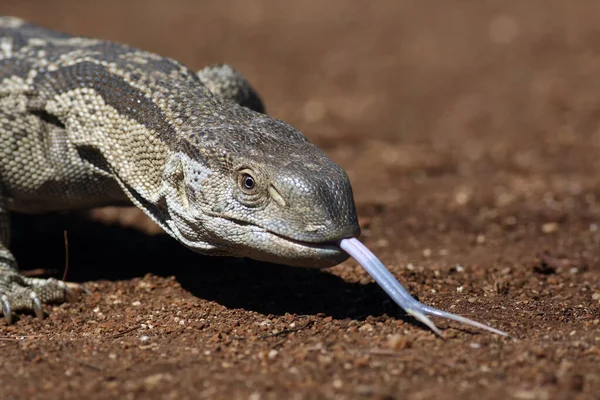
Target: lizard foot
[{"x": 20, "y": 293}]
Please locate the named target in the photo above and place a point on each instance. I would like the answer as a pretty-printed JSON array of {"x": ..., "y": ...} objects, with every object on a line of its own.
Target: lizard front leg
[{"x": 18, "y": 292}]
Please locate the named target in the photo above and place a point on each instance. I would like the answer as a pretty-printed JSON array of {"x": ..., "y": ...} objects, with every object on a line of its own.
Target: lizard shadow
[{"x": 102, "y": 252}]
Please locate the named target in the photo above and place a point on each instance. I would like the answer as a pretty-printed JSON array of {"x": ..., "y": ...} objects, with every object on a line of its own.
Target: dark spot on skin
[{"x": 48, "y": 118}]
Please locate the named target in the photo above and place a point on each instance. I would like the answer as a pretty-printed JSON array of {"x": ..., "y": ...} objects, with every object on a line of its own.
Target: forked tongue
[{"x": 396, "y": 291}]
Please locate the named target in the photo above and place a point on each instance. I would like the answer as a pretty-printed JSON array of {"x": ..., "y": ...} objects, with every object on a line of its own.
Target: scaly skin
[{"x": 86, "y": 123}]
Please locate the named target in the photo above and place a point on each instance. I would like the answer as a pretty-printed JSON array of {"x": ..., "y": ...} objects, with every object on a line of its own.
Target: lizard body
[{"x": 86, "y": 122}]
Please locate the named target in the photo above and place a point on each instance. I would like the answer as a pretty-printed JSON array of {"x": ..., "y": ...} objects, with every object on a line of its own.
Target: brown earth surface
[{"x": 471, "y": 133}]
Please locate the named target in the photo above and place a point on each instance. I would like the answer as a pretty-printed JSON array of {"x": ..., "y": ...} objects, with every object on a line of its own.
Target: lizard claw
[
  {"x": 37, "y": 306},
  {"x": 6, "y": 309}
]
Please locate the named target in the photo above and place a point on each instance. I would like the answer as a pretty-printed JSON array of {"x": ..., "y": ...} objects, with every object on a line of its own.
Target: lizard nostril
[{"x": 276, "y": 196}]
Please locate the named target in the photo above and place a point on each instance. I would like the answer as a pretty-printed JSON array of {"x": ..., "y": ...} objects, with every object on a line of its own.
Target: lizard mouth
[
  {"x": 267, "y": 245},
  {"x": 240, "y": 238},
  {"x": 277, "y": 248},
  {"x": 315, "y": 244}
]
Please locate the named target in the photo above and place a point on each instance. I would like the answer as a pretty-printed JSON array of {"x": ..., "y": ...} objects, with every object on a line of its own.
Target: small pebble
[
  {"x": 254, "y": 396},
  {"x": 152, "y": 381},
  {"x": 398, "y": 342},
  {"x": 382, "y": 243},
  {"x": 324, "y": 359},
  {"x": 362, "y": 361},
  {"x": 462, "y": 197},
  {"x": 549, "y": 227}
]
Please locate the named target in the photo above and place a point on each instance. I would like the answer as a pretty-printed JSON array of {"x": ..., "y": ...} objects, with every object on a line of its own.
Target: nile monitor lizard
[{"x": 86, "y": 122}]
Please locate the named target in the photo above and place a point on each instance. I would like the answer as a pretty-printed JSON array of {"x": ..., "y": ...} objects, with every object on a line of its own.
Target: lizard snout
[{"x": 318, "y": 207}]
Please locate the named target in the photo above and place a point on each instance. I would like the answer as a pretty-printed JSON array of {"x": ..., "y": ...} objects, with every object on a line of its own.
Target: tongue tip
[
  {"x": 419, "y": 316},
  {"x": 390, "y": 285}
]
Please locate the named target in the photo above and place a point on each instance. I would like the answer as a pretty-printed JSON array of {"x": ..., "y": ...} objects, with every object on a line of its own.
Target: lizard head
[{"x": 259, "y": 189}]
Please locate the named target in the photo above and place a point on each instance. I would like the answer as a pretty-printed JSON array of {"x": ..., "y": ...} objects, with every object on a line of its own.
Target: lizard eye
[
  {"x": 251, "y": 191},
  {"x": 246, "y": 182}
]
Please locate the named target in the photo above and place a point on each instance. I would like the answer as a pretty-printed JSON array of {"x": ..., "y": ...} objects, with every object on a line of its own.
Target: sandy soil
[{"x": 470, "y": 131}]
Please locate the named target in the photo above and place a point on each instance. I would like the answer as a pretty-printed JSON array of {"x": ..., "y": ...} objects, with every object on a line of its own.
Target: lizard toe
[{"x": 49, "y": 290}]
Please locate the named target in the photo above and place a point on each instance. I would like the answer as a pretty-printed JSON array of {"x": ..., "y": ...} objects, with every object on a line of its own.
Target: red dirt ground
[{"x": 471, "y": 133}]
